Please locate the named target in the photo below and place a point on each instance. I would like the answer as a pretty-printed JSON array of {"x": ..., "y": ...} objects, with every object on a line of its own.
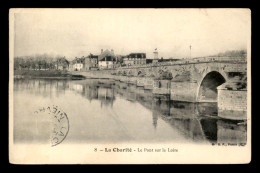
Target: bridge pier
[
  {"x": 149, "y": 83},
  {"x": 162, "y": 86},
  {"x": 140, "y": 81},
  {"x": 232, "y": 104},
  {"x": 131, "y": 80},
  {"x": 123, "y": 79},
  {"x": 184, "y": 91}
]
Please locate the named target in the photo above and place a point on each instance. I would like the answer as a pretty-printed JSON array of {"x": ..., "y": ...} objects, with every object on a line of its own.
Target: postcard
[{"x": 129, "y": 86}]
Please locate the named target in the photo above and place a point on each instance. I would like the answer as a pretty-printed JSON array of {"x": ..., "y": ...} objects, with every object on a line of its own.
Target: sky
[{"x": 79, "y": 32}]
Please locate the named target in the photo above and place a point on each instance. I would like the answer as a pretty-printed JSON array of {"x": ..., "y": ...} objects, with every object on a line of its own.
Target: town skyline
[{"x": 80, "y": 32}]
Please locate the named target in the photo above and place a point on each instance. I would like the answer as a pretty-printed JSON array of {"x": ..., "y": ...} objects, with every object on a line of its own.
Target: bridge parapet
[{"x": 191, "y": 61}]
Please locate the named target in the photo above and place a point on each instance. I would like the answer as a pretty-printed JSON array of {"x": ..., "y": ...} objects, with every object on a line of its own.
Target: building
[
  {"x": 135, "y": 59},
  {"x": 62, "y": 64},
  {"x": 91, "y": 62},
  {"x": 106, "y": 59},
  {"x": 77, "y": 64}
]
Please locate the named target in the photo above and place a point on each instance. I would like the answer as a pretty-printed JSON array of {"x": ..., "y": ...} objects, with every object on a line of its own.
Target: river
[{"x": 101, "y": 111}]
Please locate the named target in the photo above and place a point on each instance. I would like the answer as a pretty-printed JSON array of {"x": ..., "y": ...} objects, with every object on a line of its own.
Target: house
[
  {"x": 135, "y": 59},
  {"x": 62, "y": 64},
  {"x": 91, "y": 62},
  {"x": 106, "y": 59},
  {"x": 71, "y": 68},
  {"x": 76, "y": 64}
]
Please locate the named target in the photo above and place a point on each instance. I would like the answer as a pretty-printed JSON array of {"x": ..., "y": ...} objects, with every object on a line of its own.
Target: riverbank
[{"x": 46, "y": 74}]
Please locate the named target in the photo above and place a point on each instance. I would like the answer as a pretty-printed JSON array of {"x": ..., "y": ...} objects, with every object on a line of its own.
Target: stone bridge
[{"x": 195, "y": 80}]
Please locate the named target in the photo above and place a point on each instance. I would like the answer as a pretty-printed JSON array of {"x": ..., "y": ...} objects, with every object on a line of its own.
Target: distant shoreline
[{"x": 46, "y": 74}]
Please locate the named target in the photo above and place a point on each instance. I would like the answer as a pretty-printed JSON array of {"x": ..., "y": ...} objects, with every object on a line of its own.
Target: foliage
[
  {"x": 40, "y": 62},
  {"x": 233, "y": 53}
]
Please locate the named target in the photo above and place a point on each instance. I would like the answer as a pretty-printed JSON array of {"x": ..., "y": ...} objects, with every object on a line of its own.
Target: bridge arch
[
  {"x": 207, "y": 87},
  {"x": 124, "y": 73},
  {"x": 141, "y": 72},
  {"x": 130, "y": 73}
]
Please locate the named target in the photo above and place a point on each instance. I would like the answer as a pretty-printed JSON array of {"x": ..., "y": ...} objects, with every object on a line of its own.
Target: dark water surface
[{"x": 102, "y": 111}]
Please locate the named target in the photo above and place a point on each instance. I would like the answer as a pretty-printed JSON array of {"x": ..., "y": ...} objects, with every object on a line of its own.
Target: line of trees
[
  {"x": 233, "y": 53},
  {"x": 40, "y": 62}
]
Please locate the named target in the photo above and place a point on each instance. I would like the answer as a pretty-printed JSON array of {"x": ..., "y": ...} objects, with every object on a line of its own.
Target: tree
[
  {"x": 27, "y": 63},
  {"x": 40, "y": 61},
  {"x": 17, "y": 61},
  {"x": 233, "y": 53}
]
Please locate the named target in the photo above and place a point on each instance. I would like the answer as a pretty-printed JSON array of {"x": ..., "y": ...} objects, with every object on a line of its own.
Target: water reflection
[
  {"x": 197, "y": 122},
  {"x": 45, "y": 88}
]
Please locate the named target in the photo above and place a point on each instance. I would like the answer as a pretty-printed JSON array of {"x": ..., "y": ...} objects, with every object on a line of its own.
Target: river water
[{"x": 101, "y": 111}]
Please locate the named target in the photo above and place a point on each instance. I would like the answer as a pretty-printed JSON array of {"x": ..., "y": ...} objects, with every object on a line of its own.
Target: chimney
[
  {"x": 112, "y": 51},
  {"x": 101, "y": 51}
]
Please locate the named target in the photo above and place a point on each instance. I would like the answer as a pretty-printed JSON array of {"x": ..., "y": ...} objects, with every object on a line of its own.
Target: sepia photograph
[{"x": 129, "y": 86}]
